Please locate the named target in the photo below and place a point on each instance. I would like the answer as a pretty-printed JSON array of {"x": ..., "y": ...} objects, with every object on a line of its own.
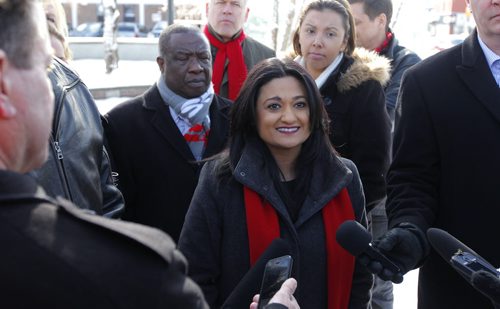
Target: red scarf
[
  {"x": 263, "y": 227},
  {"x": 236, "y": 68},
  {"x": 385, "y": 43}
]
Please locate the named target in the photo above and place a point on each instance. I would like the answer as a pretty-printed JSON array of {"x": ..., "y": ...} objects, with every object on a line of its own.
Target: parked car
[
  {"x": 128, "y": 29},
  {"x": 88, "y": 30},
  {"x": 157, "y": 29}
]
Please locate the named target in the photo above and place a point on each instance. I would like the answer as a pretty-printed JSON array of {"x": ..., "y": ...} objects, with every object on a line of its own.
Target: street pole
[{"x": 170, "y": 12}]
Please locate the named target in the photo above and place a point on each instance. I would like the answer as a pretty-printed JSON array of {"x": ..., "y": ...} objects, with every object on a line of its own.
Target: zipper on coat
[
  {"x": 60, "y": 168},
  {"x": 54, "y": 138},
  {"x": 58, "y": 151}
]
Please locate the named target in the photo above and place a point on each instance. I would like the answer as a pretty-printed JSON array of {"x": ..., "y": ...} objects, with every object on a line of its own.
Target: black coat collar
[{"x": 476, "y": 74}]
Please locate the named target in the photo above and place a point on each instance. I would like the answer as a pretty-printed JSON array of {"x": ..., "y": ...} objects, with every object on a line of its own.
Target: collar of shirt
[{"x": 492, "y": 59}]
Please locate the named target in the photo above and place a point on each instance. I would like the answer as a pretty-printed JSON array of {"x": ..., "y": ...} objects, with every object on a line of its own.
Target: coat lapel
[
  {"x": 219, "y": 127},
  {"x": 324, "y": 187},
  {"x": 477, "y": 76},
  {"x": 162, "y": 121}
]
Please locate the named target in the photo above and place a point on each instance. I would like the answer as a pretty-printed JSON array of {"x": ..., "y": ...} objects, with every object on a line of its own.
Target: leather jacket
[{"x": 78, "y": 167}]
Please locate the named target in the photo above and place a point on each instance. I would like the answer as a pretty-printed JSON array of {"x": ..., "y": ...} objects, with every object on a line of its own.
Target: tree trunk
[
  {"x": 289, "y": 24},
  {"x": 276, "y": 24}
]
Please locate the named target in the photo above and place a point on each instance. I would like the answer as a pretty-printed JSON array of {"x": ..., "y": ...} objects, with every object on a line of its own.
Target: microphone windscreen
[
  {"x": 249, "y": 285},
  {"x": 445, "y": 244},
  {"x": 353, "y": 237}
]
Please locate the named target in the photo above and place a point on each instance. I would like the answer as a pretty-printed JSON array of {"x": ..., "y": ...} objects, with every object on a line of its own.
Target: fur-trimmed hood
[{"x": 367, "y": 65}]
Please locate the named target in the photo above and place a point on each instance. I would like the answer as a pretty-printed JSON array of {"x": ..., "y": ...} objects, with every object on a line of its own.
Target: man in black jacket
[
  {"x": 445, "y": 167},
  {"x": 373, "y": 18},
  {"x": 78, "y": 167},
  {"x": 158, "y": 139},
  {"x": 234, "y": 53}
]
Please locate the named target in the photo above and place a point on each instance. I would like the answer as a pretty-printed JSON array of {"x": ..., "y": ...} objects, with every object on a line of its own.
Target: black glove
[
  {"x": 405, "y": 245},
  {"x": 488, "y": 284}
]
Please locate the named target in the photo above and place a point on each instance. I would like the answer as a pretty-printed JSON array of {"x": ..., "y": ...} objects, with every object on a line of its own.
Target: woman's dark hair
[
  {"x": 341, "y": 7},
  {"x": 243, "y": 115}
]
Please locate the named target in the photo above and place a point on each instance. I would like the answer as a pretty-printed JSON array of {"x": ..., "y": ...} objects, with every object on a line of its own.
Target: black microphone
[
  {"x": 354, "y": 238},
  {"x": 462, "y": 258},
  {"x": 249, "y": 285}
]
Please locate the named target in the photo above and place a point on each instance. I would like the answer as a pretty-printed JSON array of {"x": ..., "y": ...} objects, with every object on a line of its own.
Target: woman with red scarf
[{"x": 279, "y": 178}]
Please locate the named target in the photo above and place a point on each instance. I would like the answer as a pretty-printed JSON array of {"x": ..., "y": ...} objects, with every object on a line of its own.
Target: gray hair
[{"x": 166, "y": 35}]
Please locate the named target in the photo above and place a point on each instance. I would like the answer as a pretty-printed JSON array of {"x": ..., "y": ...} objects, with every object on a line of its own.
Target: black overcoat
[
  {"x": 56, "y": 256},
  {"x": 157, "y": 172},
  {"x": 446, "y": 166}
]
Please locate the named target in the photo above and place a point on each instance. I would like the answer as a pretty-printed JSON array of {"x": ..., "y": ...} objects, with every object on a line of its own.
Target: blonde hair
[{"x": 56, "y": 20}]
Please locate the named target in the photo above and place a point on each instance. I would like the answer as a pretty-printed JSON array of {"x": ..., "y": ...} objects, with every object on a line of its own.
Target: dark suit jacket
[
  {"x": 157, "y": 172},
  {"x": 446, "y": 166},
  {"x": 57, "y": 256}
]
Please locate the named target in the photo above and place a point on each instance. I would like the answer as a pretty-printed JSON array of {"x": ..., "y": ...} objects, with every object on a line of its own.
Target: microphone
[
  {"x": 462, "y": 258},
  {"x": 354, "y": 238},
  {"x": 249, "y": 285}
]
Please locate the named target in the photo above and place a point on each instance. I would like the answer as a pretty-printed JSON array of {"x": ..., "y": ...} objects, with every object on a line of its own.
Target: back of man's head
[
  {"x": 16, "y": 31},
  {"x": 374, "y": 8}
]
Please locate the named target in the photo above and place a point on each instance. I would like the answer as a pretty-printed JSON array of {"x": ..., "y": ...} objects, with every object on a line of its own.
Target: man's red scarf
[
  {"x": 263, "y": 227},
  {"x": 385, "y": 43},
  {"x": 236, "y": 68}
]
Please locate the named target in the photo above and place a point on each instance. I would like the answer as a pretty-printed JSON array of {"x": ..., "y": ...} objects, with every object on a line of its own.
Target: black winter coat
[
  {"x": 446, "y": 165},
  {"x": 78, "y": 166},
  {"x": 401, "y": 60},
  {"x": 360, "y": 129},
  {"x": 157, "y": 172},
  {"x": 56, "y": 256},
  {"x": 215, "y": 239}
]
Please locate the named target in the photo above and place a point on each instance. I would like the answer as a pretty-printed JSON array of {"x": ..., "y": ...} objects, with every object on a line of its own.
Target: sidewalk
[
  {"x": 130, "y": 79},
  {"x": 405, "y": 293}
]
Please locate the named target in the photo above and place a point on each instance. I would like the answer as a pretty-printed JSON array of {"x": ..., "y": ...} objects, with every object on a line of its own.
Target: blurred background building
[{"x": 143, "y": 13}]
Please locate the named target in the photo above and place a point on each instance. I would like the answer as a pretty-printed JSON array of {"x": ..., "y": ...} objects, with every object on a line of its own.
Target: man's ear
[
  {"x": 7, "y": 109},
  {"x": 246, "y": 14},
  {"x": 382, "y": 21},
  {"x": 160, "y": 61}
]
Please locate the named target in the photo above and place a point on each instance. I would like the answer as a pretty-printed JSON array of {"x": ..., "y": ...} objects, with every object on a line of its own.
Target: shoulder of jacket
[
  {"x": 150, "y": 238},
  {"x": 61, "y": 74},
  {"x": 437, "y": 66},
  {"x": 367, "y": 65},
  {"x": 404, "y": 55},
  {"x": 256, "y": 44},
  {"x": 222, "y": 102}
]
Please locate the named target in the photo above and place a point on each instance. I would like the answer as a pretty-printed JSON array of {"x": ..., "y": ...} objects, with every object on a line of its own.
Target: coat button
[
  {"x": 243, "y": 174},
  {"x": 265, "y": 188}
]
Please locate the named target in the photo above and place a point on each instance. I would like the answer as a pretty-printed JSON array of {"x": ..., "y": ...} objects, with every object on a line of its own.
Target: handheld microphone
[
  {"x": 249, "y": 285},
  {"x": 354, "y": 238},
  {"x": 462, "y": 258}
]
